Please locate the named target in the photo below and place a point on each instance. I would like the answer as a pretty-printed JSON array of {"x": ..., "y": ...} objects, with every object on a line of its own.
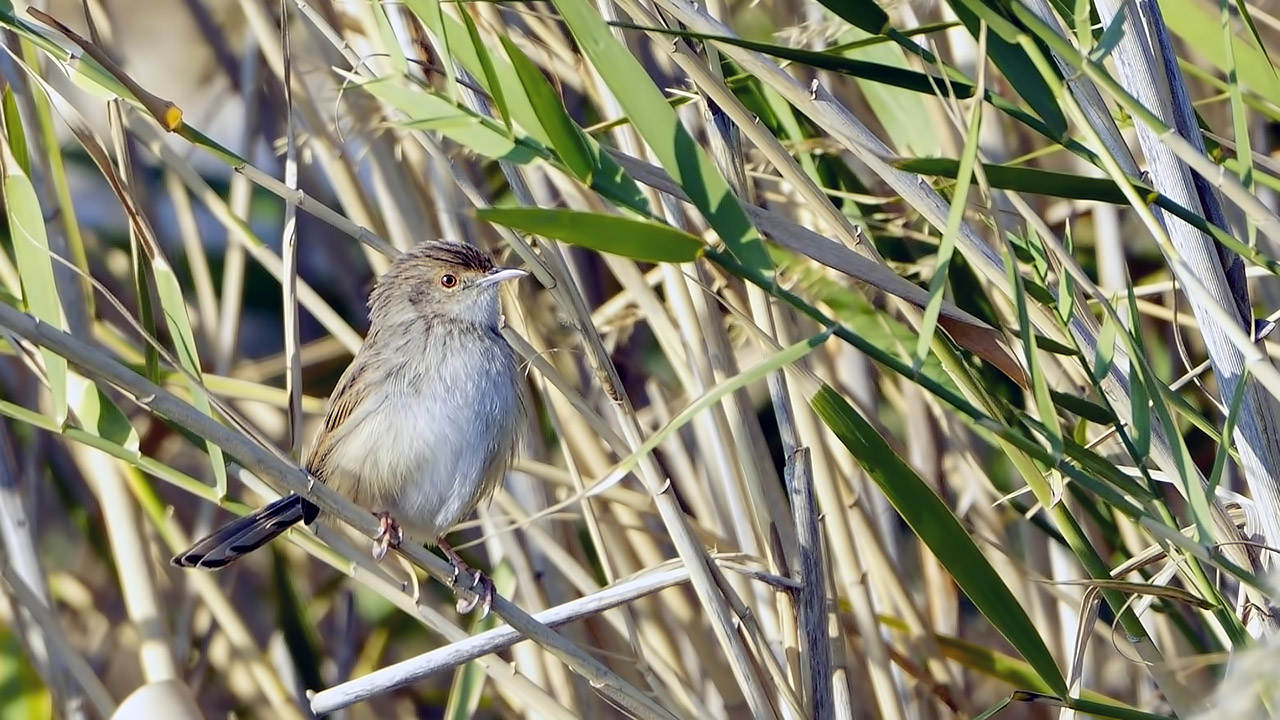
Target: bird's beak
[{"x": 498, "y": 275}]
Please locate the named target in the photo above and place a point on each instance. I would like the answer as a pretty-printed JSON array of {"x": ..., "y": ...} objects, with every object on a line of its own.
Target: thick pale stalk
[{"x": 1256, "y": 432}]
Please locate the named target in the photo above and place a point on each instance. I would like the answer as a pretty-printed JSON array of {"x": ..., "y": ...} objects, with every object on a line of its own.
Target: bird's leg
[
  {"x": 389, "y": 535},
  {"x": 481, "y": 586}
]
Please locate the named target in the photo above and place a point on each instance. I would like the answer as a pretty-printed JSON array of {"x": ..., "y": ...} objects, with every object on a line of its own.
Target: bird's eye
[{"x": 448, "y": 281}]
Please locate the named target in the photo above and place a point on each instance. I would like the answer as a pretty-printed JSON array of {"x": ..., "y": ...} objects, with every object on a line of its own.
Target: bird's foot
[
  {"x": 481, "y": 589},
  {"x": 389, "y": 535}
]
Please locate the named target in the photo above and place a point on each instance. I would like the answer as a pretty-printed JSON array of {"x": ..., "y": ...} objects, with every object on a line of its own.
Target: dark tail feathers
[{"x": 246, "y": 534}]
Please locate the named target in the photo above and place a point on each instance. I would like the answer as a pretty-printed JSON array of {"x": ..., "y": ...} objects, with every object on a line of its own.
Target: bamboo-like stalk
[{"x": 1142, "y": 74}]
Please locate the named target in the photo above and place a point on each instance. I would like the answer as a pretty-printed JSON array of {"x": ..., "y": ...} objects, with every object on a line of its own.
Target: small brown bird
[{"x": 422, "y": 425}]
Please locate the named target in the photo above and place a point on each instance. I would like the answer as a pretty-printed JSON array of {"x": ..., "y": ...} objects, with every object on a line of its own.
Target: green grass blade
[
  {"x": 14, "y": 134},
  {"x": 874, "y": 72},
  {"x": 98, "y": 414},
  {"x": 1090, "y": 707},
  {"x": 608, "y": 178},
  {"x": 863, "y": 14},
  {"x": 1025, "y": 179},
  {"x": 1012, "y": 60},
  {"x": 35, "y": 267},
  {"x": 755, "y": 373},
  {"x": 636, "y": 239},
  {"x": 564, "y": 135},
  {"x": 935, "y": 525},
  {"x": 1049, "y": 422},
  {"x": 428, "y": 110},
  {"x": 1239, "y": 116},
  {"x": 174, "y": 307},
  {"x": 1054, "y": 184},
  {"x": 946, "y": 249},
  {"x": 486, "y": 67}
]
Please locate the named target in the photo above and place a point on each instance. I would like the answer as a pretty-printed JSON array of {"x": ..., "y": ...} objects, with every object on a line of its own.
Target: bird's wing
[{"x": 342, "y": 403}]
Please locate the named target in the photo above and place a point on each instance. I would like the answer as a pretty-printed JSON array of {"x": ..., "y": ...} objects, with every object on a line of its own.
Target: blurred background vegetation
[{"x": 887, "y": 360}]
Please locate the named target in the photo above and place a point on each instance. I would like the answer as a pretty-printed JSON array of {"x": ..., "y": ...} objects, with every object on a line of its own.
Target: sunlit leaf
[
  {"x": 635, "y": 239},
  {"x": 35, "y": 261}
]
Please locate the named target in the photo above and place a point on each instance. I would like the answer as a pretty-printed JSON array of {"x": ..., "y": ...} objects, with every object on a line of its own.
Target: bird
[{"x": 422, "y": 425}]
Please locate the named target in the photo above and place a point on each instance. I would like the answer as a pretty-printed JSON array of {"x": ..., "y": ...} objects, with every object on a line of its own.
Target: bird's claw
[
  {"x": 480, "y": 591},
  {"x": 389, "y": 536},
  {"x": 481, "y": 595}
]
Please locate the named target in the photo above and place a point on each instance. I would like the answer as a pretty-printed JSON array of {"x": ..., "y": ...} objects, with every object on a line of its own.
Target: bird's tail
[{"x": 246, "y": 534}]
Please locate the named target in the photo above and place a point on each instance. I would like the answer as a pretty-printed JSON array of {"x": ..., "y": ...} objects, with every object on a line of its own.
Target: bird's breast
[{"x": 432, "y": 438}]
